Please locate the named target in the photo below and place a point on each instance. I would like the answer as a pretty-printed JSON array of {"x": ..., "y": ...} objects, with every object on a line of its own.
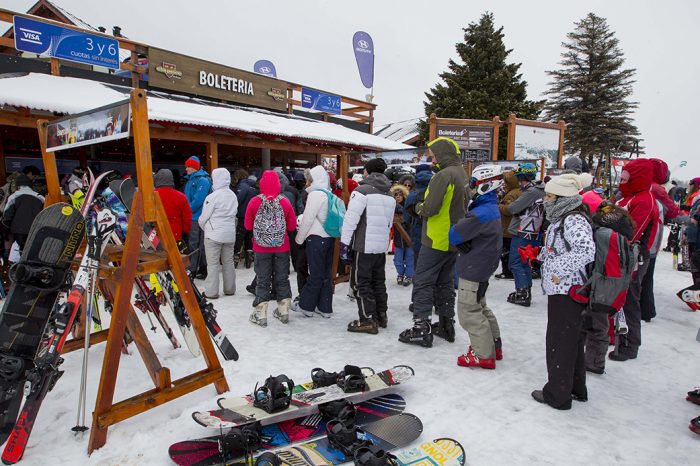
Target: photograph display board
[
  {"x": 475, "y": 142},
  {"x": 393, "y": 158},
  {"x": 95, "y": 126},
  {"x": 533, "y": 142},
  {"x": 511, "y": 165}
]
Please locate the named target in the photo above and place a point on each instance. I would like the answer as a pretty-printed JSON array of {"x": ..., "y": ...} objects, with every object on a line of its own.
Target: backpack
[
  {"x": 269, "y": 226},
  {"x": 336, "y": 211},
  {"x": 610, "y": 274},
  {"x": 531, "y": 221}
]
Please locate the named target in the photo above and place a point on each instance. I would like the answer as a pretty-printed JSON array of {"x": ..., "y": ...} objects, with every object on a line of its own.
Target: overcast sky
[{"x": 310, "y": 42}]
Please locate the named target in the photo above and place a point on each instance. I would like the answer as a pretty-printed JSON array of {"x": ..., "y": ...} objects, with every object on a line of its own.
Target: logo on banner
[
  {"x": 363, "y": 44},
  {"x": 364, "y": 56},
  {"x": 265, "y": 67},
  {"x": 169, "y": 70},
  {"x": 277, "y": 94}
]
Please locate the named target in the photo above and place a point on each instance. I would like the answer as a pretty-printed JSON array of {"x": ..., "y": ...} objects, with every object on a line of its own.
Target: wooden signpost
[{"x": 146, "y": 207}]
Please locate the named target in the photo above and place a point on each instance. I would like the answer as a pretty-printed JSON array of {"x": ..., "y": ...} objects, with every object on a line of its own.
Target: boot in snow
[
  {"x": 407, "y": 281},
  {"x": 521, "y": 297},
  {"x": 399, "y": 280},
  {"x": 282, "y": 311},
  {"x": 248, "y": 258},
  {"x": 470, "y": 359},
  {"x": 499, "y": 351},
  {"x": 420, "y": 334},
  {"x": 694, "y": 396},
  {"x": 695, "y": 425},
  {"x": 382, "y": 319},
  {"x": 259, "y": 315},
  {"x": 445, "y": 328},
  {"x": 363, "y": 326}
]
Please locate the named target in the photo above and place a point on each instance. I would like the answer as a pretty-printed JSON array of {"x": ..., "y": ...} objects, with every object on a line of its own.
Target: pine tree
[
  {"x": 483, "y": 85},
  {"x": 591, "y": 92}
]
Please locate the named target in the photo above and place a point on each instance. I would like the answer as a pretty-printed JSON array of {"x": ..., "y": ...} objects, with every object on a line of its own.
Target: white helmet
[{"x": 486, "y": 178}]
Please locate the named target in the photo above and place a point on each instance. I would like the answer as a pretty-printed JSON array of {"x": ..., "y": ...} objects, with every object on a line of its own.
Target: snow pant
[
  {"x": 302, "y": 266},
  {"x": 318, "y": 290},
  {"x": 505, "y": 256},
  {"x": 416, "y": 252},
  {"x": 219, "y": 259},
  {"x": 630, "y": 343},
  {"x": 368, "y": 284},
  {"x": 694, "y": 264},
  {"x": 646, "y": 299},
  {"x": 403, "y": 261},
  {"x": 522, "y": 273},
  {"x": 433, "y": 283},
  {"x": 271, "y": 266},
  {"x": 198, "y": 259},
  {"x": 566, "y": 368},
  {"x": 476, "y": 318},
  {"x": 293, "y": 248},
  {"x": 244, "y": 238},
  {"x": 596, "y": 325}
]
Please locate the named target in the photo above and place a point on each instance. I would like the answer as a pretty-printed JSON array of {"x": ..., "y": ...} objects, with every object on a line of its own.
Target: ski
[
  {"x": 237, "y": 411},
  {"x": 210, "y": 451}
]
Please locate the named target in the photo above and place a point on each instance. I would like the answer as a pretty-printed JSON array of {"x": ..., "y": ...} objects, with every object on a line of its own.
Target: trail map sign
[{"x": 475, "y": 142}]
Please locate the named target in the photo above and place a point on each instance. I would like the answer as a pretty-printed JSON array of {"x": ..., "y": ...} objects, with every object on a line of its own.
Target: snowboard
[
  {"x": 442, "y": 451},
  {"x": 208, "y": 451},
  {"x": 53, "y": 240},
  {"x": 690, "y": 296},
  {"x": 385, "y": 434},
  {"x": 237, "y": 411}
]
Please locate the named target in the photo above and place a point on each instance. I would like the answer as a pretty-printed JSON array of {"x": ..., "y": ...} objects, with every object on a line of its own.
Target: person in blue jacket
[
  {"x": 197, "y": 188},
  {"x": 410, "y": 217}
]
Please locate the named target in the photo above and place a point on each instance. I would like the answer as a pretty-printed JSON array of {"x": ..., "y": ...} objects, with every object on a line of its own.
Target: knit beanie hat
[
  {"x": 193, "y": 162},
  {"x": 375, "y": 166},
  {"x": 568, "y": 184}
]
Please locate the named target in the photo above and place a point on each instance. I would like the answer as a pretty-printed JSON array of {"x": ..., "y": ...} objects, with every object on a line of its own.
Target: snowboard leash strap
[{"x": 275, "y": 394}]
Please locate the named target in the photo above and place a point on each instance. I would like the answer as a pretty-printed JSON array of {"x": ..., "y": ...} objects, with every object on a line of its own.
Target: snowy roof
[
  {"x": 400, "y": 131},
  {"x": 72, "y": 95}
]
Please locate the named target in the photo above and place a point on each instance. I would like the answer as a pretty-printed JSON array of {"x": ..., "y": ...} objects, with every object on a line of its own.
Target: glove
[
  {"x": 579, "y": 293},
  {"x": 345, "y": 256},
  {"x": 528, "y": 254}
]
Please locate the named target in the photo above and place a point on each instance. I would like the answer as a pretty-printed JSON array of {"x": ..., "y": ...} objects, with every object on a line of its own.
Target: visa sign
[
  {"x": 311, "y": 98},
  {"x": 67, "y": 44}
]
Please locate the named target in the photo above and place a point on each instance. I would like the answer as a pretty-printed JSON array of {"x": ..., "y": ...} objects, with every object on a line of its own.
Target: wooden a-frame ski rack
[{"x": 146, "y": 207}]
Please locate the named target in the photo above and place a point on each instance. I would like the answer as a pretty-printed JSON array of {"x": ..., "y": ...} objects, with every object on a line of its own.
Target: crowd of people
[{"x": 448, "y": 232}]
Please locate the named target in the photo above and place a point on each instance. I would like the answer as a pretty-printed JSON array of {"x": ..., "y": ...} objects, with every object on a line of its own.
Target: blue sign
[
  {"x": 67, "y": 44},
  {"x": 363, "y": 47},
  {"x": 265, "y": 67},
  {"x": 311, "y": 98}
]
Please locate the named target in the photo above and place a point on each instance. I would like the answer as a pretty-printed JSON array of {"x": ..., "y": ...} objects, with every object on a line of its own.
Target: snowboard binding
[
  {"x": 275, "y": 395},
  {"x": 36, "y": 275},
  {"x": 320, "y": 378},
  {"x": 343, "y": 410},
  {"x": 352, "y": 380},
  {"x": 371, "y": 456},
  {"x": 346, "y": 438},
  {"x": 241, "y": 440},
  {"x": 12, "y": 368}
]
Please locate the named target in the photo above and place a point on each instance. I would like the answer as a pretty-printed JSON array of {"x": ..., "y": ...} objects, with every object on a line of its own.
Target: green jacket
[{"x": 446, "y": 197}]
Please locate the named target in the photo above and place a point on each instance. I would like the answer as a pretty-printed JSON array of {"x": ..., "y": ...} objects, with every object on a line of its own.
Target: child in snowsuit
[{"x": 403, "y": 254}]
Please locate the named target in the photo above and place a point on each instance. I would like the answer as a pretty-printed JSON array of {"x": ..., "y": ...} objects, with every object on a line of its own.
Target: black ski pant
[
  {"x": 368, "y": 284},
  {"x": 566, "y": 368},
  {"x": 302, "y": 267},
  {"x": 630, "y": 343},
  {"x": 318, "y": 290},
  {"x": 271, "y": 266},
  {"x": 433, "y": 283},
  {"x": 505, "y": 255},
  {"x": 646, "y": 300},
  {"x": 244, "y": 238},
  {"x": 596, "y": 325},
  {"x": 198, "y": 259}
]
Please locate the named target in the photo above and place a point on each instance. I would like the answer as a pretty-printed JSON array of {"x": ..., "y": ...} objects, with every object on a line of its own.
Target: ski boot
[
  {"x": 694, "y": 396},
  {"x": 259, "y": 315},
  {"x": 363, "y": 326},
  {"x": 382, "y": 319},
  {"x": 399, "y": 280},
  {"x": 695, "y": 425},
  {"x": 282, "y": 311},
  {"x": 444, "y": 328},
  {"x": 470, "y": 359},
  {"x": 248, "y": 259},
  {"x": 421, "y": 333},
  {"x": 504, "y": 276},
  {"x": 499, "y": 351},
  {"x": 521, "y": 297},
  {"x": 407, "y": 281}
]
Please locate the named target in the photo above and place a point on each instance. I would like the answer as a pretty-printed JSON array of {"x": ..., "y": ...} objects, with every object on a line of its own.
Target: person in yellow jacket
[{"x": 445, "y": 203}]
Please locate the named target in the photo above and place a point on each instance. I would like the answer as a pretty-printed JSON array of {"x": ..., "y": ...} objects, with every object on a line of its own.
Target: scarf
[{"x": 555, "y": 210}]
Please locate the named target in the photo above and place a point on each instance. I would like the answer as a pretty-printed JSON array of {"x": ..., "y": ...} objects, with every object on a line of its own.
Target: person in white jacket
[
  {"x": 317, "y": 295},
  {"x": 218, "y": 222}
]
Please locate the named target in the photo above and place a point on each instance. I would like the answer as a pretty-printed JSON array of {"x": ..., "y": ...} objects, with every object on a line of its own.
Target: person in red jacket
[
  {"x": 175, "y": 204},
  {"x": 638, "y": 200},
  {"x": 667, "y": 210},
  {"x": 271, "y": 259}
]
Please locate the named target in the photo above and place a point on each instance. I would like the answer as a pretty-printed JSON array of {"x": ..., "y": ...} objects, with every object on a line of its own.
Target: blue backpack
[{"x": 336, "y": 211}]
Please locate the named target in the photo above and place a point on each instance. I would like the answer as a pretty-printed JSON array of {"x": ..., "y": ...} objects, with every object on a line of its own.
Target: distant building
[{"x": 405, "y": 132}]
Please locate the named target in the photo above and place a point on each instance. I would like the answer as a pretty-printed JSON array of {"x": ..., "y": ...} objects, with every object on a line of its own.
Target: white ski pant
[{"x": 219, "y": 259}]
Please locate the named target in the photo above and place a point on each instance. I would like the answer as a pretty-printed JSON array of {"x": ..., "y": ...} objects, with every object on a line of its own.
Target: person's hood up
[
  {"x": 284, "y": 181},
  {"x": 446, "y": 152},
  {"x": 511, "y": 180},
  {"x": 641, "y": 175},
  {"x": 378, "y": 181},
  {"x": 270, "y": 184},
  {"x": 399, "y": 187},
  {"x": 220, "y": 178},
  {"x": 319, "y": 177},
  {"x": 163, "y": 179},
  {"x": 352, "y": 185},
  {"x": 573, "y": 163},
  {"x": 423, "y": 178},
  {"x": 661, "y": 172}
]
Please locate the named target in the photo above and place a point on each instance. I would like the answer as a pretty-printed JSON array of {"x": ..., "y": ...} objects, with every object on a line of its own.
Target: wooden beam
[
  {"x": 212, "y": 156},
  {"x": 3, "y": 174},
  {"x": 7, "y": 42},
  {"x": 142, "y": 147},
  {"x": 17, "y": 120},
  {"x": 50, "y": 168},
  {"x": 55, "y": 67}
]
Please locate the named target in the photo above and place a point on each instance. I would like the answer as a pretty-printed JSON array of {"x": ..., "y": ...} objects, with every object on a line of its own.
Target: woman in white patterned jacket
[{"x": 567, "y": 250}]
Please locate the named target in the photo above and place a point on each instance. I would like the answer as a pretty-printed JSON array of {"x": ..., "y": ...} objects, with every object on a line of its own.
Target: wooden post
[
  {"x": 496, "y": 128},
  {"x": 50, "y": 168},
  {"x": 432, "y": 127},
  {"x": 142, "y": 147},
  {"x": 212, "y": 156},
  {"x": 343, "y": 166},
  {"x": 562, "y": 129},
  {"x": 3, "y": 172},
  {"x": 510, "y": 149},
  {"x": 134, "y": 74},
  {"x": 55, "y": 67}
]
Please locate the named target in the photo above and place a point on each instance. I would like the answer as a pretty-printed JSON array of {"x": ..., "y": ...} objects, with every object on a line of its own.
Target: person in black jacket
[
  {"x": 245, "y": 190},
  {"x": 21, "y": 209}
]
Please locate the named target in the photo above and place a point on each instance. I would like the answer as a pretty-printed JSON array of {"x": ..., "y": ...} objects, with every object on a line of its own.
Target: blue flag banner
[
  {"x": 364, "y": 55},
  {"x": 265, "y": 67},
  {"x": 317, "y": 100},
  {"x": 64, "y": 43}
]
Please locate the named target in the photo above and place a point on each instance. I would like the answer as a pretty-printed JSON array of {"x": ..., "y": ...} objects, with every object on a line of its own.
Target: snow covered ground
[{"x": 636, "y": 412}]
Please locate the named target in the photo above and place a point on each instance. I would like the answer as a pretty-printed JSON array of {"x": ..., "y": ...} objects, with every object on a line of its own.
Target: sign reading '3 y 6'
[{"x": 64, "y": 43}]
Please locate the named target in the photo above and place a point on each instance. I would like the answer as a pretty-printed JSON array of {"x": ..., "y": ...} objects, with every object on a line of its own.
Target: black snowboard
[{"x": 53, "y": 240}]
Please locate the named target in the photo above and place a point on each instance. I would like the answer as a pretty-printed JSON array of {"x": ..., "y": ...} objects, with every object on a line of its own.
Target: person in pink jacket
[{"x": 270, "y": 216}]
